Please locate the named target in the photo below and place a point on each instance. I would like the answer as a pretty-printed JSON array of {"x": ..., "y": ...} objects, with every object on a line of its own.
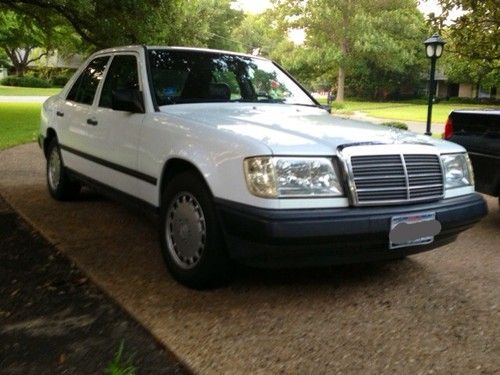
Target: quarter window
[
  {"x": 83, "y": 90},
  {"x": 122, "y": 75}
]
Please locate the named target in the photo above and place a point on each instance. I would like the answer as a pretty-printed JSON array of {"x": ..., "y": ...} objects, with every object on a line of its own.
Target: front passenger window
[{"x": 122, "y": 74}]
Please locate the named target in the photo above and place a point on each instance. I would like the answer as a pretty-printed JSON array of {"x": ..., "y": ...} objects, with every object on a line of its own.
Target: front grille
[{"x": 396, "y": 178}]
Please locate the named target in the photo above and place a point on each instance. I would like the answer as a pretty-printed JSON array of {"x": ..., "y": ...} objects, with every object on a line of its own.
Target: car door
[
  {"x": 77, "y": 137},
  {"x": 122, "y": 128}
]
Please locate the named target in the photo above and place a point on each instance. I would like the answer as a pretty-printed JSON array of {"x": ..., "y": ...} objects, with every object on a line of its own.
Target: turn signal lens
[{"x": 448, "y": 128}]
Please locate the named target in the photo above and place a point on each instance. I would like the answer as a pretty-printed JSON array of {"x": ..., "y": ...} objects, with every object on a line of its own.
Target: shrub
[
  {"x": 395, "y": 124},
  {"x": 474, "y": 100},
  {"x": 25, "y": 81},
  {"x": 60, "y": 80}
]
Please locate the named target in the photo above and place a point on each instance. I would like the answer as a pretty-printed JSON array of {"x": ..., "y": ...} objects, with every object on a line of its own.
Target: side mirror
[{"x": 128, "y": 100}]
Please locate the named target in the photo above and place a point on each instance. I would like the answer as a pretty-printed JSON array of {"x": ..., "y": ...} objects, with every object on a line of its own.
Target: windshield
[{"x": 197, "y": 77}]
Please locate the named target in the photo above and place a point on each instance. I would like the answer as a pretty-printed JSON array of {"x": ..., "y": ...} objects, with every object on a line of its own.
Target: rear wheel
[
  {"x": 191, "y": 240},
  {"x": 59, "y": 184}
]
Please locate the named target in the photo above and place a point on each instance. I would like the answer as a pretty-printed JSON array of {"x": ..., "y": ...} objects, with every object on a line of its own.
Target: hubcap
[
  {"x": 185, "y": 230},
  {"x": 54, "y": 169}
]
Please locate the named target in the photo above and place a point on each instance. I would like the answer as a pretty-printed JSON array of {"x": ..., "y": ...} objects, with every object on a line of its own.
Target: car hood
[{"x": 295, "y": 130}]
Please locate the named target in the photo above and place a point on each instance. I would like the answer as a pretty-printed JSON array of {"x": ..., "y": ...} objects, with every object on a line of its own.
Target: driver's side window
[{"x": 122, "y": 74}]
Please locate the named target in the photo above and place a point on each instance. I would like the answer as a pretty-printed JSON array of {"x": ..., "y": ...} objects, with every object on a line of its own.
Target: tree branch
[
  {"x": 62, "y": 10},
  {"x": 46, "y": 53}
]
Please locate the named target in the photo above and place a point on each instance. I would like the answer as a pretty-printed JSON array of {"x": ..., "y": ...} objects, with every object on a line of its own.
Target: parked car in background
[
  {"x": 479, "y": 132},
  {"x": 242, "y": 164}
]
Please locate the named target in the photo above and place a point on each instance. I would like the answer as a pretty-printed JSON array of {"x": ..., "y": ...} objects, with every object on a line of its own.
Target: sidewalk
[
  {"x": 414, "y": 126},
  {"x": 22, "y": 99}
]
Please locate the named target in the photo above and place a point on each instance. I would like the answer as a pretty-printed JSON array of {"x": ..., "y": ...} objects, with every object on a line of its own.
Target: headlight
[
  {"x": 281, "y": 177},
  {"x": 458, "y": 170}
]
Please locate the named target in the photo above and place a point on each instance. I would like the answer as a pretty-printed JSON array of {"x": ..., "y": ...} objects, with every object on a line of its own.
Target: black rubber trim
[
  {"x": 248, "y": 221},
  {"x": 113, "y": 193},
  {"x": 313, "y": 237},
  {"x": 150, "y": 79},
  {"x": 108, "y": 164},
  {"x": 41, "y": 140}
]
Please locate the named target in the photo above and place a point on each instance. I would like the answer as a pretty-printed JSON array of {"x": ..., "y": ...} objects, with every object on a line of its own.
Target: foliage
[
  {"x": 119, "y": 366},
  {"x": 195, "y": 22},
  {"x": 49, "y": 72},
  {"x": 60, "y": 80},
  {"x": 18, "y": 37},
  {"x": 18, "y": 123},
  {"x": 395, "y": 124},
  {"x": 474, "y": 101},
  {"x": 4, "y": 59},
  {"x": 376, "y": 41},
  {"x": 25, "y": 81},
  {"x": 261, "y": 33},
  {"x": 473, "y": 49}
]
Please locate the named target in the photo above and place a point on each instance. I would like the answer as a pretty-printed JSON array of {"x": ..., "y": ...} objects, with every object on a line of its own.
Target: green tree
[
  {"x": 19, "y": 36},
  {"x": 106, "y": 23},
  {"x": 382, "y": 33},
  {"x": 473, "y": 49},
  {"x": 25, "y": 40},
  {"x": 206, "y": 23},
  {"x": 262, "y": 33}
]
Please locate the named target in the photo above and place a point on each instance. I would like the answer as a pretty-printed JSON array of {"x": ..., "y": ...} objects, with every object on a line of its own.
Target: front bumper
[
  {"x": 41, "y": 140},
  {"x": 336, "y": 235}
]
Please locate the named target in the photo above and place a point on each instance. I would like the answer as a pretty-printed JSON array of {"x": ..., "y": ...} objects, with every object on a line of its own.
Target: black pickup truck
[{"x": 479, "y": 132}]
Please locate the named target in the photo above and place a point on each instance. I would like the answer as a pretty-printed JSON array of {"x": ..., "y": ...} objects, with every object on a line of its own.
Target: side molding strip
[{"x": 141, "y": 176}]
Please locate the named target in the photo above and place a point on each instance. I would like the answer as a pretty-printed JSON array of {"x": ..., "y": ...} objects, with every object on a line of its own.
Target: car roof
[
  {"x": 483, "y": 111},
  {"x": 137, "y": 48}
]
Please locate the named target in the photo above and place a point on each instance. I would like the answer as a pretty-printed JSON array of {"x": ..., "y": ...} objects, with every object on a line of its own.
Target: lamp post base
[{"x": 428, "y": 133}]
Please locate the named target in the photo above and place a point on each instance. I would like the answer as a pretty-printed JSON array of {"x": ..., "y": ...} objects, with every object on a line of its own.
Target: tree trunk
[
  {"x": 340, "y": 84},
  {"x": 20, "y": 69}
]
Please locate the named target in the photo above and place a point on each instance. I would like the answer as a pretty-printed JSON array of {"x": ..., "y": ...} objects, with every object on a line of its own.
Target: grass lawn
[
  {"x": 28, "y": 91},
  {"x": 19, "y": 123},
  {"x": 405, "y": 111}
]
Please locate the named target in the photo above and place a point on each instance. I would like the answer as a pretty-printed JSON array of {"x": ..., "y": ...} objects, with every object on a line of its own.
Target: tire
[
  {"x": 59, "y": 184},
  {"x": 191, "y": 240}
]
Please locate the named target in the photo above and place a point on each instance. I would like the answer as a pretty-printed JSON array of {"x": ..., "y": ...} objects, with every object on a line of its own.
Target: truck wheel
[
  {"x": 60, "y": 186},
  {"x": 191, "y": 240}
]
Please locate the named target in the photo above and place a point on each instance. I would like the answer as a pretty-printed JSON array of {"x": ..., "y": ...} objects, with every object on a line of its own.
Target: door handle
[
  {"x": 60, "y": 114},
  {"x": 92, "y": 122}
]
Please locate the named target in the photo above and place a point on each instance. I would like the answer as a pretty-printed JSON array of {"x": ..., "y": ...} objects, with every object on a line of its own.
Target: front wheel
[
  {"x": 60, "y": 186},
  {"x": 191, "y": 240}
]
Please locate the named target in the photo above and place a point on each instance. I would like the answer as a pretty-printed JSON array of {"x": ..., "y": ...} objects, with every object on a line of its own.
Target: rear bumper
[{"x": 334, "y": 236}]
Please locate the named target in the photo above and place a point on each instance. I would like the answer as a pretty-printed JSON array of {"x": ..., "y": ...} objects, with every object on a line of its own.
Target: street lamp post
[{"x": 433, "y": 49}]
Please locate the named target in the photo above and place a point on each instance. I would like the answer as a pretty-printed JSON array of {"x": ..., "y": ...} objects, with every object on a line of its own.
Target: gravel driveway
[{"x": 436, "y": 312}]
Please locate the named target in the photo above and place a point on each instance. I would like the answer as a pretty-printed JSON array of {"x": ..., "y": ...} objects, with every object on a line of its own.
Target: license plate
[{"x": 412, "y": 230}]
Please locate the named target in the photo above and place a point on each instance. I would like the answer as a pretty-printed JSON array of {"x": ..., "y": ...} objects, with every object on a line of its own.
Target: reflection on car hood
[{"x": 295, "y": 130}]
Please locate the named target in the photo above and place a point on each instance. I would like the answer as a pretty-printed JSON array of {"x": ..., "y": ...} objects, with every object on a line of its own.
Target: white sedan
[{"x": 242, "y": 164}]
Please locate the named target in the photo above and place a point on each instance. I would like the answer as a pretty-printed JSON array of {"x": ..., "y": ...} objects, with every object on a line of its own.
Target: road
[{"x": 436, "y": 312}]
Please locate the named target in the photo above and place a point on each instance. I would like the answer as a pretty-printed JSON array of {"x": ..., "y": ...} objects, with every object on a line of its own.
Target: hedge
[{"x": 25, "y": 81}]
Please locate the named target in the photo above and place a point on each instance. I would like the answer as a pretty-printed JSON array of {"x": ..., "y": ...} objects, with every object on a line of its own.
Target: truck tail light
[{"x": 448, "y": 128}]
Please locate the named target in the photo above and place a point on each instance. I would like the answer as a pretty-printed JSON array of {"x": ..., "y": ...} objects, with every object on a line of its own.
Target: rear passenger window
[
  {"x": 122, "y": 74},
  {"x": 83, "y": 90}
]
